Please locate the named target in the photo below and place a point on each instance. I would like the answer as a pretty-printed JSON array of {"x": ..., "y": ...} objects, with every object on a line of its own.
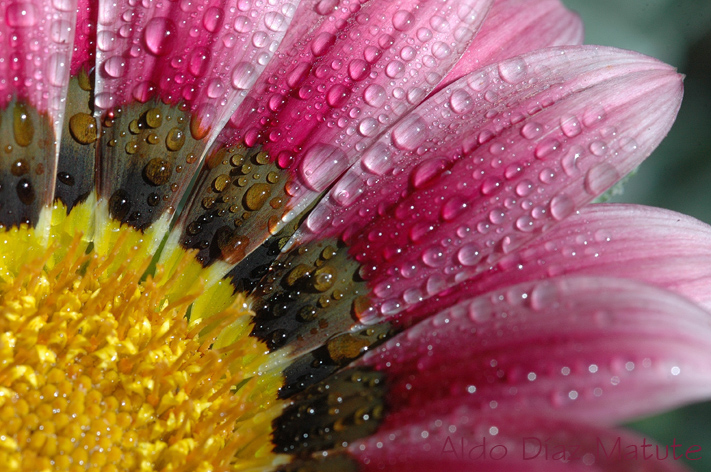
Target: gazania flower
[{"x": 383, "y": 258}]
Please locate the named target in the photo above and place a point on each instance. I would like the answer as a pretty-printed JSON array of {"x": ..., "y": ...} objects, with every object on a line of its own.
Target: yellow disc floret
[{"x": 105, "y": 370}]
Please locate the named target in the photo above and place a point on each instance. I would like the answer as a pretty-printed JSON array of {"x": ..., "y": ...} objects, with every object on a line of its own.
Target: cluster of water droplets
[
  {"x": 535, "y": 345},
  {"x": 205, "y": 54},
  {"x": 348, "y": 79},
  {"x": 514, "y": 149},
  {"x": 35, "y": 50}
]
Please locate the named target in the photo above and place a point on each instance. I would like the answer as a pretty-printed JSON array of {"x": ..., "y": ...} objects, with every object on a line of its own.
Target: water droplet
[
  {"x": 441, "y": 50},
  {"x": 115, "y": 66},
  {"x": 375, "y": 95},
  {"x": 427, "y": 171},
  {"x": 61, "y": 31},
  {"x": 243, "y": 76},
  {"x": 275, "y": 21},
  {"x": 242, "y": 24},
  {"x": 322, "y": 43},
  {"x": 547, "y": 148},
  {"x": 199, "y": 62},
  {"x": 594, "y": 116},
  {"x": 525, "y": 223},
  {"x": 599, "y": 148},
  {"x": 213, "y": 19},
  {"x": 22, "y": 126},
  {"x": 256, "y": 196},
  {"x": 433, "y": 257},
  {"x": 65, "y": 178},
  {"x": 490, "y": 185},
  {"x": 57, "y": 69},
  {"x": 601, "y": 177},
  {"x": 337, "y": 96},
  {"x": 513, "y": 70},
  {"x": 570, "y": 160},
  {"x": 562, "y": 206},
  {"x": 570, "y": 126},
  {"x": 25, "y": 191},
  {"x": 454, "y": 207},
  {"x": 497, "y": 216},
  {"x": 628, "y": 144},
  {"x": 544, "y": 296},
  {"x": 532, "y": 130},
  {"x": 21, "y": 15},
  {"x": 119, "y": 204},
  {"x": 82, "y": 127},
  {"x": 321, "y": 164},
  {"x": 461, "y": 101},
  {"x": 325, "y": 7},
  {"x": 368, "y": 127},
  {"x": 469, "y": 255},
  {"x": 410, "y": 132},
  {"x": 160, "y": 35},
  {"x": 395, "y": 69},
  {"x": 157, "y": 171},
  {"x": 403, "y": 20},
  {"x": 358, "y": 69},
  {"x": 19, "y": 167}
]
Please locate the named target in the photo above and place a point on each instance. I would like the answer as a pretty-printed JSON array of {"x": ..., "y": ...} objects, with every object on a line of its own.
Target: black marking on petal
[
  {"x": 333, "y": 462},
  {"x": 338, "y": 351},
  {"x": 26, "y": 167},
  {"x": 77, "y": 153},
  {"x": 308, "y": 296},
  {"x": 148, "y": 154},
  {"x": 237, "y": 186},
  {"x": 332, "y": 413}
]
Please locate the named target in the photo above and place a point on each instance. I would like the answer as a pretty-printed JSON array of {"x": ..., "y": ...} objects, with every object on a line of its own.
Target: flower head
[{"x": 383, "y": 245}]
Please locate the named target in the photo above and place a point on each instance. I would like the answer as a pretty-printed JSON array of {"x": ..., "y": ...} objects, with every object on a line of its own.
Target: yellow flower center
[{"x": 105, "y": 368}]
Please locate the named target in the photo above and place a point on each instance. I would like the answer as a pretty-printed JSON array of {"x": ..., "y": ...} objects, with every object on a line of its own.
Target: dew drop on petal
[
  {"x": 322, "y": 163},
  {"x": 469, "y": 255},
  {"x": 513, "y": 70},
  {"x": 461, "y": 101},
  {"x": 213, "y": 19},
  {"x": 57, "y": 69},
  {"x": 159, "y": 36},
  {"x": 275, "y": 21},
  {"x": 531, "y": 130},
  {"x": 403, "y": 20},
  {"x": 570, "y": 126},
  {"x": 243, "y": 76},
  {"x": 562, "y": 206},
  {"x": 601, "y": 177},
  {"x": 409, "y": 133},
  {"x": 375, "y": 95},
  {"x": 21, "y": 15}
]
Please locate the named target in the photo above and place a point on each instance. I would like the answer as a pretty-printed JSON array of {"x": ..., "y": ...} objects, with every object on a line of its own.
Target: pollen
[{"x": 109, "y": 370}]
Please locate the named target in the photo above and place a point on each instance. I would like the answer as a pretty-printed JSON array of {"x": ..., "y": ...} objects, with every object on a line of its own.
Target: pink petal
[
  {"x": 651, "y": 245},
  {"x": 36, "y": 39},
  {"x": 538, "y": 155},
  {"x": 34, "y": 61},
  {"x": 84, "y": 53},
  {"x": 600, "y": 350},
  {"x": 467, "y": 439},
  {"x": 331, "y": 92},
  {"x": 515, "y": 27},
  {"x": 205, "y": 54}
]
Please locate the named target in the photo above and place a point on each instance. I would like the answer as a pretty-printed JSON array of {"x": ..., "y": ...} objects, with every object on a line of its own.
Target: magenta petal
[
  {"x": 323, "y": 101},
  {"x": 37, "y": 38},
  {"x": 84, "y": 53},
  {"x": 596, "y": 349},
  {"x": 515, "y": 27},
  {"x": 541, "y": 151},
  {"x": 466, "y": 439},
  {"x": 651, "y": 245},
  {"x": 205, "y": 54}
]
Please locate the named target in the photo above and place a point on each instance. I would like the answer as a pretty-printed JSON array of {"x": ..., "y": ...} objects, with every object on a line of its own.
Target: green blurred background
[{"x": 678, "y": 175}]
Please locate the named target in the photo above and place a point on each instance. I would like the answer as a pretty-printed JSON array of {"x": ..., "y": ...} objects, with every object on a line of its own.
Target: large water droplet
[
  {"x": 375, "y": 95},
  {"x": 601, "y": 177},
  {"x": 570, "y": 126},
  {"x": 562, "y": 206},
  {"x": 368, "y": 127},
  {"x": 547, "y": 148},
  {"x": 115, "y": 67},
  {"x": 275, "y": 21},
  {"x": 337, "y": 96},
  {"x": 322, "y": 43},
  {"x": 358, "y": 69},
  {"x": 461, "y": 101},
  {"x": 322, "y": 163},
  {"x": 213, "y": 19},
  {"x": 454, "y": 207},
  {"x": 61, "y": 31},
  {"x": 513, "y": 70},
  {"x": 199, "y": 62},
  {"x": 325, "y": 7},
  {"x": 469, "y": 255},
  {"x": 403, "y": 20},
  {"x": 57, "y": 69},
  {"x": 410, "y": 132},
  {"x": 532, "y": 130},
  {"x": 243, "y": 76},
  {"x": 21, "y": 15},
  {"x": 160, "y": 35}
]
